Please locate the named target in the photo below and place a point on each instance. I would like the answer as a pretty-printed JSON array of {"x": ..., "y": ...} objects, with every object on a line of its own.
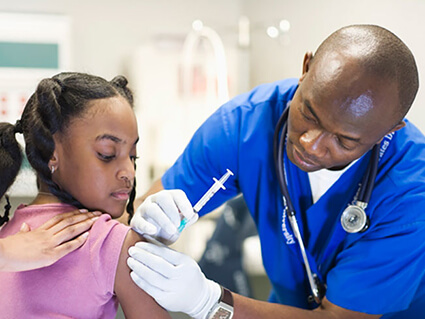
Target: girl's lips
[{"x": 121, "y": 195}]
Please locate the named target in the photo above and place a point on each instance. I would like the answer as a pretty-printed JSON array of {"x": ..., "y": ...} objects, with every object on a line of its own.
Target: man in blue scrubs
[{"x": 353, "y": 94}]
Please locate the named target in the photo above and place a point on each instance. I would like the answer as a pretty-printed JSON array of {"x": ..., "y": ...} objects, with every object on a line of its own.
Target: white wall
[
  {"x": 106, "y": 31},
  {"x": 312, "y": 21},
  {"x": 106, "y": 34}
]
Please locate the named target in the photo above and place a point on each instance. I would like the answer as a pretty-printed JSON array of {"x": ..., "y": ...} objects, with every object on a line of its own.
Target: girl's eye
[
  {"x": 105, "y": 158},
  {"x": 134, "y": 158}
]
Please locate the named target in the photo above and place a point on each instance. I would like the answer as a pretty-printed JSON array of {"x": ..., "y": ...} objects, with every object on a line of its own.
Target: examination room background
[{"x": 144, "y": 40}]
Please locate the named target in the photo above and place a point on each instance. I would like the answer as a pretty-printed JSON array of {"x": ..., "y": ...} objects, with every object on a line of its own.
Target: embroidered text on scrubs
[
  {"x": 385, "y": 143},
  {"x": 289, "y": 237}
]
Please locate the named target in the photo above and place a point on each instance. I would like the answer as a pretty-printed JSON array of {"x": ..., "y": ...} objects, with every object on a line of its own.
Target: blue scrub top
[{"x": 380, "y": 271}]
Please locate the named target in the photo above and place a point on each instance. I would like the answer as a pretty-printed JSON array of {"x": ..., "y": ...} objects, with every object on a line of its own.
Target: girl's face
[{"x": 94, "y": 157}]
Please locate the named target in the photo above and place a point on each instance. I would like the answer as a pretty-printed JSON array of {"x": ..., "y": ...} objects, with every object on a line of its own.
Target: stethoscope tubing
[
  {"x": 278, "y": 149},
  {"x": 364, "y": 193},
  {"x": 371, "y": 176}
]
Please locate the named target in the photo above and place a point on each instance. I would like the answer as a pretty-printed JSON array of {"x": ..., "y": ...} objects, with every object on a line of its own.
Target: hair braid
[
  {"x": 10, "y": 162},
  {"x": 49, "y": 110},
  {"x": 44, "y": 114},
  {"x": 130, "y": 204},
  {"x": 120, "y": 83}
]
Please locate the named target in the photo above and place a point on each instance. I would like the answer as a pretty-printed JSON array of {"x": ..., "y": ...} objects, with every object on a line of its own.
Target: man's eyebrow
[
  {"x": 113, "y": 138},
  {"x": 308, "y": 105}
]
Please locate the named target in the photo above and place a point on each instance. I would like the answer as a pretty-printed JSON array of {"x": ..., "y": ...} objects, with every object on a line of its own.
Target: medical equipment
[
  {"x": 353, "y": 219},
  {"x": 207, "y": 196}
]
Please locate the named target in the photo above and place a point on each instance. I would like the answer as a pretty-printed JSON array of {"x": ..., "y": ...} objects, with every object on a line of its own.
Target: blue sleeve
[
  {"x": 211, "y": 151},
  {"x": 383, "y": 271}
]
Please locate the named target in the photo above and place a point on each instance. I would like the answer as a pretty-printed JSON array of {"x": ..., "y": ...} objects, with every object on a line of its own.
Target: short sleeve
[
  {"x": 105, "y": 241},
  {"x": 211, "y": 151},
  {"x": 381, "y": 272}
]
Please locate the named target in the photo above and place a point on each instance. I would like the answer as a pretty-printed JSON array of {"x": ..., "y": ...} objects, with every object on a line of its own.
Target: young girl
[{"x": 80, "y": 137}]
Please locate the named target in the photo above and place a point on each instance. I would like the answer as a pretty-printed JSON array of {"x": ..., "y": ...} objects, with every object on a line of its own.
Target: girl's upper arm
[{"x": 135, "y": 303}]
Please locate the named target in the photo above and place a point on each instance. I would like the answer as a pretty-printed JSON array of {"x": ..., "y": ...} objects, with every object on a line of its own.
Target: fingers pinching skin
[
  {"x": 150, "y": 275},
  {"x": 173, "y": 279},
  {"x": 171, "y": 256}
]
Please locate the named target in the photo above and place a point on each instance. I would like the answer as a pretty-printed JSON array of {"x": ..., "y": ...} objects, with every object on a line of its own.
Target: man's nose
[{"x": 313, "y": 142}]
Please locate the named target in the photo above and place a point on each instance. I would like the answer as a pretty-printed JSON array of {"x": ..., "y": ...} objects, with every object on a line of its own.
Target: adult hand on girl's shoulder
[{"x": 43, "y": 246}]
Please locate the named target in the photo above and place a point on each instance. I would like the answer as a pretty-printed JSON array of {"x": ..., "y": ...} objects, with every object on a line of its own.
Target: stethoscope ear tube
[
  {"x": 370, "y": 183},
  {"x": 278, "y": 146},
  {"x": 353, "y": 219}
]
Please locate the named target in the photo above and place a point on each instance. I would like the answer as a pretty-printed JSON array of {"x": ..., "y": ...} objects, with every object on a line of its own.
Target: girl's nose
[{"x": 128, "y": 173}]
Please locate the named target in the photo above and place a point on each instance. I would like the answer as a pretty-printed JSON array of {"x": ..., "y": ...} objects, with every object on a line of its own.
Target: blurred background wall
[
  {"x": 132, "y": 37},
  {"x": 143, "y": 39}
]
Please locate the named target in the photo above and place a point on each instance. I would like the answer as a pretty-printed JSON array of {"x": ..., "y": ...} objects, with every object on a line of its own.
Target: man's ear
[
  {"x": 306, "y": 65},
  {"x": 399, "y": 126}
]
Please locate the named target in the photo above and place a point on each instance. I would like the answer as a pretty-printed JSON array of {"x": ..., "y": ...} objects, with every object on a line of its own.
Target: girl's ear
[
  {"x": 54, "y": 162},
  {"x": 54, "y": 159}
]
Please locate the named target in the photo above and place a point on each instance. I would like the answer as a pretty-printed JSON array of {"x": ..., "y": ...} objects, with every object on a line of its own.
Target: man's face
[{"x": 338, "y": 113}]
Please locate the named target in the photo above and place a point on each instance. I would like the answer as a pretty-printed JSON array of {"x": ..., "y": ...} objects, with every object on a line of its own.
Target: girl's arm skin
[
  {"x": 135, "y": 303},
  {"x": 43, "y": 246}
]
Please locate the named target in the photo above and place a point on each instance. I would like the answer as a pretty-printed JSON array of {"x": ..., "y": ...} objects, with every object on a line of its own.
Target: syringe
[{"x": 207, "y": 196}]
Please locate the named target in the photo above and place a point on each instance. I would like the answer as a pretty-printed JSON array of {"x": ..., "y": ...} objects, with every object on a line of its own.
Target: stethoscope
[{"x": 353, "y": 219}]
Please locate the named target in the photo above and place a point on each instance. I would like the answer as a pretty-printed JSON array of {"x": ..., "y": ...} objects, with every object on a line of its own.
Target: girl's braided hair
[{"x": 50, "y": 109}]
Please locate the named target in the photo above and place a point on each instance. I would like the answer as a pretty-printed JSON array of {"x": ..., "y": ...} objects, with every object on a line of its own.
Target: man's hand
[
  {"x": 160, "y": 215},
  {"x": 173, "y": 279},
  {"x": 43, "y": 246}
]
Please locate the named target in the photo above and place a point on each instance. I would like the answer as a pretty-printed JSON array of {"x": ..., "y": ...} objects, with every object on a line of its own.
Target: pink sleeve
[{"x": 105, "y": 241}]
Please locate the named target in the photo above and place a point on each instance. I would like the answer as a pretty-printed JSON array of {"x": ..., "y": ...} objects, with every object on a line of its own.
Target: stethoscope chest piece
[{"x": 354, "y": 218}]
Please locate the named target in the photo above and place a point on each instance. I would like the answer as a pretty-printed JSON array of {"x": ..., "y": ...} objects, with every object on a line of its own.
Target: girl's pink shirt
[{"x": 80, "y": 285}]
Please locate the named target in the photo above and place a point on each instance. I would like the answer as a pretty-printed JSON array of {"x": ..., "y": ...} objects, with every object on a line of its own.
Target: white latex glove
[
  {"x": 173, "y": 279},
  {"x": 160, "y": 215}
]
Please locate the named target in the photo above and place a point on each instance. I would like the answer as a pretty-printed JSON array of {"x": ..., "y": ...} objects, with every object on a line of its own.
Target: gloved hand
[
  {"x": 173, "y": 279},
  {"x": 160, "y": 215}
]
